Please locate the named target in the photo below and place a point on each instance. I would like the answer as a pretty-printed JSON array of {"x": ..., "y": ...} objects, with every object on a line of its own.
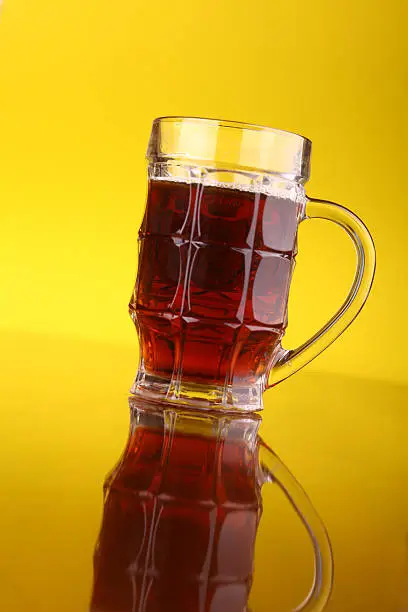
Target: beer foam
[{"x": 277, "y": 188}]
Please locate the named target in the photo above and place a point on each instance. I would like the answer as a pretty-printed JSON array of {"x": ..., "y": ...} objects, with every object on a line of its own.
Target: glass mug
[{"x": 216, "y": 254}]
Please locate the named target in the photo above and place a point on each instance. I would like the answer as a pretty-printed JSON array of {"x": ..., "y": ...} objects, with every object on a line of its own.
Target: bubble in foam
[{"x": 274, "y": 187}]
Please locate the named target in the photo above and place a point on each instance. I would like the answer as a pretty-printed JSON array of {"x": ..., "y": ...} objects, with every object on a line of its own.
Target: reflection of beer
[
  {"x": 214, "y": 274},
  {"x": 179, "y": 526}
]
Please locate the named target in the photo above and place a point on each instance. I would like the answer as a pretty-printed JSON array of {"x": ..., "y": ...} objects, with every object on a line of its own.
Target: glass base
[{"x": 231, "y": 398}]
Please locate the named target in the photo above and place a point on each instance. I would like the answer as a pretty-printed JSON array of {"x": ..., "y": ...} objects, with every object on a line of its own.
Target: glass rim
[{"x": 241, "y": 125}]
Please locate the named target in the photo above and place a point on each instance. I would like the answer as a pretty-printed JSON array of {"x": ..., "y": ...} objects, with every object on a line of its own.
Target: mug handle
[
  {"x": 290, "y": 361},
  {"x": 275, "y": 471}
]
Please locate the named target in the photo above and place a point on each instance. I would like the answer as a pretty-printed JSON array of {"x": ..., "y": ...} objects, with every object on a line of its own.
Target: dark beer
[{"x": 214, "y": 272}]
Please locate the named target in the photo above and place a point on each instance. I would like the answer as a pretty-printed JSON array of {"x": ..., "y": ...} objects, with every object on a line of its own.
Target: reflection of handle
[
  {"x": 291, "y": 361},
  {"x": 323, "y": 575}
]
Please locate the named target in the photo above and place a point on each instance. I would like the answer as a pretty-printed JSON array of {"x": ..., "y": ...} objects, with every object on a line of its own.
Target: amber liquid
[
  {"x": 179, "y": 526},
  {"x": 214, "y": 272}
]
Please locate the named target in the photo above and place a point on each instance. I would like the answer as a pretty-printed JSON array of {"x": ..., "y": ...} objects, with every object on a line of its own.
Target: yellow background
[{"x": 80, "y": 83}]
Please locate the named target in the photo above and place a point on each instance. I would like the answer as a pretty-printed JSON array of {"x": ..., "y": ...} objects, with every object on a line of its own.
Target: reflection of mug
[
  {"x": 180, "y": 521},
  {"x": 181, "y": 514},
  {"x": 218, "y": 243}
]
